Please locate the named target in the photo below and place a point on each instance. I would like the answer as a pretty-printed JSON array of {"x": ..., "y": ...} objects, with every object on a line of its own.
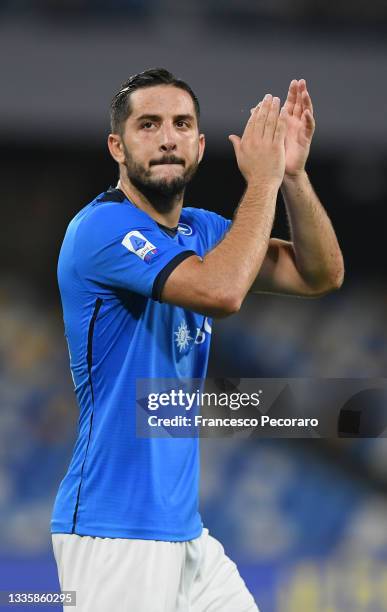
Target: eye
[
  {"x": 181, "y": 123},
  {"x": 147, "y": 125}
]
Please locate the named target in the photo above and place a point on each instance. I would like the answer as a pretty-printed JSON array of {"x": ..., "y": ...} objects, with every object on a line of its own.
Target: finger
[
  {"x": 271, "y": 120},
  {"x": 253, "y": 109},
  {"x": 252, "y": 119},
  {"x": 261, "y": 114},
  {"x": 235, "y": 141},
  {"x": 281, "y": 126},
  {"x": 297, "y": 111},
  {"x": 292, "y": 97},
  {"x": 309, "y": 123},
  {"x": 306, "y": 99}
]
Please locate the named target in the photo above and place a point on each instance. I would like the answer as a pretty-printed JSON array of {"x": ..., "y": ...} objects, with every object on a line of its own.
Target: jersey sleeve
[
  {"x": 218, "y": 227},
  {"x": 122, "y": 251},
  {"x": 212, "y": 226}
]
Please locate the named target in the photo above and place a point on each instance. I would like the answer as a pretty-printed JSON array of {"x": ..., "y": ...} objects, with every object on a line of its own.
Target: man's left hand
[{"x": 300, "y": 128}]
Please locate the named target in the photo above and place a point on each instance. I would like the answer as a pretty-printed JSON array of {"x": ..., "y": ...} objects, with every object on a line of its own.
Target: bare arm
[
  {"x": 311, "y": 264},
  {"x": 217, "y": 285}
]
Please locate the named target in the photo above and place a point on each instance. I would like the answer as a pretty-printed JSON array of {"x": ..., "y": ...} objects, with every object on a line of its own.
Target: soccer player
[{"x": 141, "y": 278}]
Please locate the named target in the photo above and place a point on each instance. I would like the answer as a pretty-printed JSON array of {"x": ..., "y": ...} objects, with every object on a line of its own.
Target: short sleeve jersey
[{"x": 112, "y": 267}]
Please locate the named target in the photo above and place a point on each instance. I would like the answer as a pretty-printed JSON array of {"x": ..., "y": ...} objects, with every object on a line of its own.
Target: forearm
[
  {"x": 317, "y": 253},
  {"x": 217, "y": 284},
  {"x": 235, "y": 262}
]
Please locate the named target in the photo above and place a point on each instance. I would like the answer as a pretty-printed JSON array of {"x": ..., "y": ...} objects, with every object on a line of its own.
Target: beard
[{"x": 160, "y": 192}]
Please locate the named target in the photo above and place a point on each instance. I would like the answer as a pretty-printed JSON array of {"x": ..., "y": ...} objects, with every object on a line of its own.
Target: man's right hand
[{"x": 260, "y": 153}]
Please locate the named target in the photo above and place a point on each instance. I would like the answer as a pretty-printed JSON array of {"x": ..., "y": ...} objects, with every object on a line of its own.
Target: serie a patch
[{"x": 136, "y": 243}]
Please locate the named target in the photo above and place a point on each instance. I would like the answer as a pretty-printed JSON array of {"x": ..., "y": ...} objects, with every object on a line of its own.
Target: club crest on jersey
[
  {"x": 136, "y": 243},
  {"x": 185, "y": 229}
]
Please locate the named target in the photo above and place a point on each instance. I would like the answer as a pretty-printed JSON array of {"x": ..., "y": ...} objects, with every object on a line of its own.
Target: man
[{"x": 140, "y": 279}]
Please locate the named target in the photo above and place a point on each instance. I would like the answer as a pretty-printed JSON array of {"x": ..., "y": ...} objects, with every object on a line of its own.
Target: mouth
[{"x": 169, "y": 162}]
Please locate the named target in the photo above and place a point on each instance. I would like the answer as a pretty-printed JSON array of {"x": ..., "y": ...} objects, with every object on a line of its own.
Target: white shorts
[{"x": 126, "y": 575}]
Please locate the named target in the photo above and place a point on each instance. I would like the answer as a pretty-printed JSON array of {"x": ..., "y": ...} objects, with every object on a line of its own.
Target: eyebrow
[{"x": 150, "y": 117}]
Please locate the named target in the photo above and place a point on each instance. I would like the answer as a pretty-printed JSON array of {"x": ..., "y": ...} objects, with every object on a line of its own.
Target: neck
[{"x": 170, "y": 219}]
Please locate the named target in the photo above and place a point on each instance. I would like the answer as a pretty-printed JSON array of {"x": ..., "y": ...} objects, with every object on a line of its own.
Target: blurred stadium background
[{"x": 306, "y": 520}]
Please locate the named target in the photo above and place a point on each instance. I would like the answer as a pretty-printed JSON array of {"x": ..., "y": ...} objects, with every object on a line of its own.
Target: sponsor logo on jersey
[
  {"x": 201, "y": 333},
  {"x": 183, "y": 336},
  {"x": 185, "y": 229},
  {"x": 136, "y": 243}
]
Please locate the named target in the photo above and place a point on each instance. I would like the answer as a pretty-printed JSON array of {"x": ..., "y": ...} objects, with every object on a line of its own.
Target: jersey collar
[{"x": 113, "y": 194}]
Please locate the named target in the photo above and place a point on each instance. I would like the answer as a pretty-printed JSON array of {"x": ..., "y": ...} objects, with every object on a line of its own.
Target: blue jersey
[{"x": 112, "y": 267}]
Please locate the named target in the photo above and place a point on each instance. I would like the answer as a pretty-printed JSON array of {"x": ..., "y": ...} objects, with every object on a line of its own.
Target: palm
[{"x": 300, "y": 127}]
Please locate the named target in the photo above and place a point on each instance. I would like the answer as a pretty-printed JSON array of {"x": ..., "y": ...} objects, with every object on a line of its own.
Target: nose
[
  {"x": 167, "y": 147},
  {"x": 168, "y": 142}
]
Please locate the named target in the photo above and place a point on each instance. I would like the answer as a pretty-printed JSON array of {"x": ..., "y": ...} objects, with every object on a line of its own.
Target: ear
[
  {"x": 116, "y": 148},
  {"x": 202, "y": 146}
]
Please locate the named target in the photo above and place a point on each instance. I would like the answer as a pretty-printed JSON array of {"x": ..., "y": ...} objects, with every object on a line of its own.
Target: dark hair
[
  {"x": 120, "y": 108},
  {"x": 120, "y": 105}
]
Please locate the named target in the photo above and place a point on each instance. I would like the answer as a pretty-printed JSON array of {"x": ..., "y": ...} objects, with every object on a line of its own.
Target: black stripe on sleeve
[
  {"x": 159, "y": 282},
  {"x": 97, "y": 306}
]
